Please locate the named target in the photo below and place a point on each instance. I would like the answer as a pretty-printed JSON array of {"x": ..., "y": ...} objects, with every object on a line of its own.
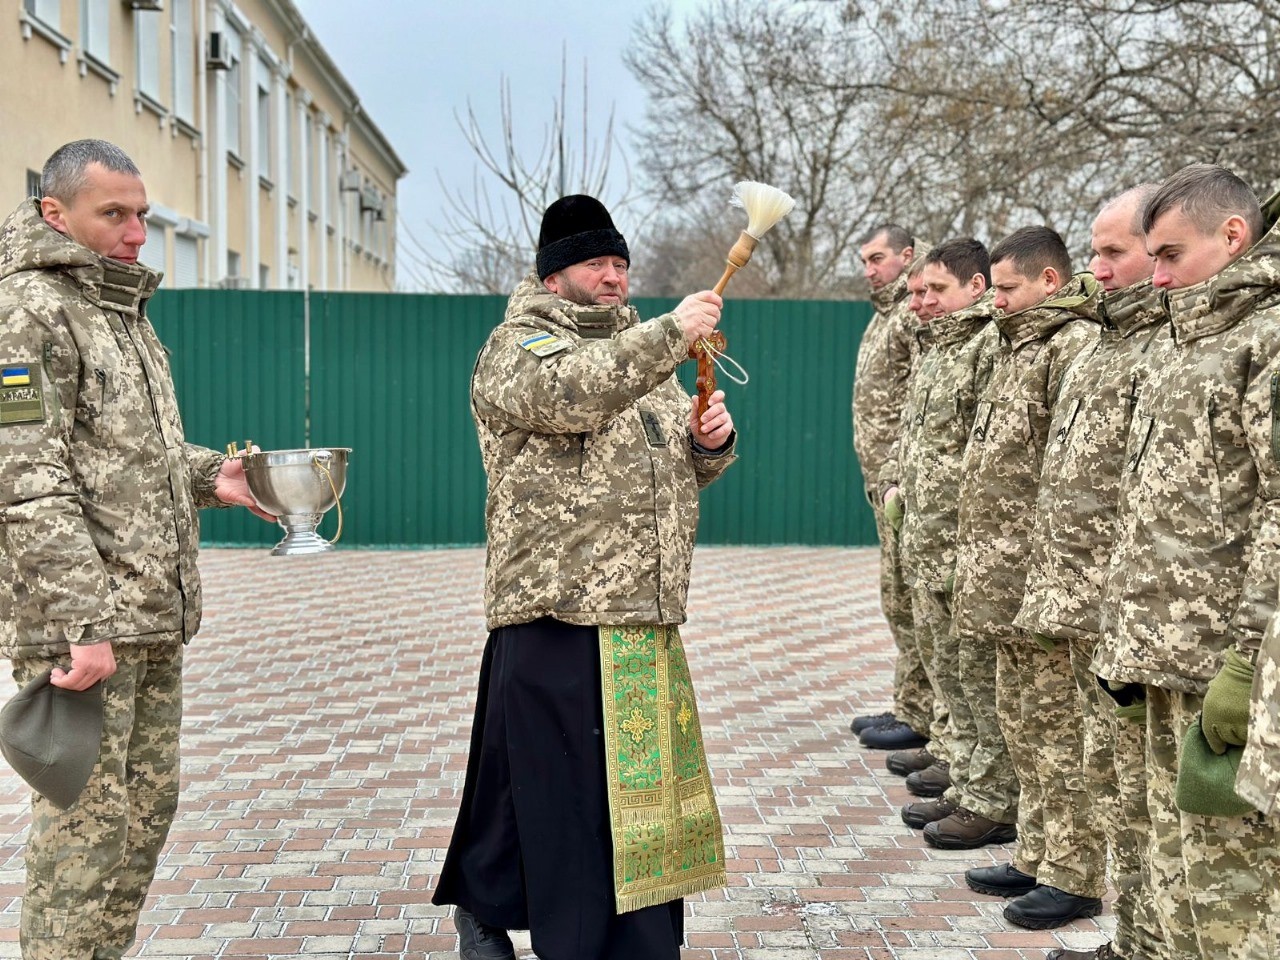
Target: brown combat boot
[
  {"x": 904, "y": 762},
  {"x": 966, "y": 830},
  {"x": 932, "y": 781},
  {"x": 920, "y": 815}
]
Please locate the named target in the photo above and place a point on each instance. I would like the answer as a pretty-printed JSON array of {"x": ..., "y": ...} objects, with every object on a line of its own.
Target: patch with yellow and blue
[
  {"x": 21, "y": 401},
  {"x": 544, "y": 344}
]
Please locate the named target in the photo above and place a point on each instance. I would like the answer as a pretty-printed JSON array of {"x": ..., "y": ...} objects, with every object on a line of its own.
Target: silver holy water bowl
[{"x": 299, "y": 487}]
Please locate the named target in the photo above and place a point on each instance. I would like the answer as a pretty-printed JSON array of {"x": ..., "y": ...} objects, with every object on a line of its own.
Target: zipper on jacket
[
  {"x": 1275, "y": 416},
  {"x": 924, "y": 408},
  {"x": 1065, "y": 430},
  {"x": 101, "y": 376}
]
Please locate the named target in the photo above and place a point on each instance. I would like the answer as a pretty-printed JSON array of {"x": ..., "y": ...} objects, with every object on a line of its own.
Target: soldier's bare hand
[
  {"x": 230, "y": 486},
  {"x": 711, "y": 428},
  {"x": 698, "y": 314},
  {"x": 89, "y": 664}
]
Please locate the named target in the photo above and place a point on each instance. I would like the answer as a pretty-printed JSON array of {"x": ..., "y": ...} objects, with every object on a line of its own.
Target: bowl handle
[{"x": 321, "y": 460}]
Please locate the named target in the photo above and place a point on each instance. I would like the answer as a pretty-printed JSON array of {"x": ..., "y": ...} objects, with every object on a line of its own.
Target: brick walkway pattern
[{"x": 329, "y": 702}]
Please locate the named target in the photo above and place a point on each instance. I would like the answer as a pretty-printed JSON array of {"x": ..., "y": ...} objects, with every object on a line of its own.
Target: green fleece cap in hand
[
  {"x": 1207, "y": 780},
  {"x": 51, "y": 737}
]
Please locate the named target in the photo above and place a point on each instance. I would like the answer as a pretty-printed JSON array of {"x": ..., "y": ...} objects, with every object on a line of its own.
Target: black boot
[
  {"x": 479, "y": 941},
  {"x": 858, "y": 724},
  {"x": 892, "y": 736},
  {"x": 1046, "y": 907},
  {"x": 1002, "y": 880}
]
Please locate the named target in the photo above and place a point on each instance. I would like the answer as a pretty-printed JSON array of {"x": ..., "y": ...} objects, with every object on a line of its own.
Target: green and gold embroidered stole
[{"x": 667, "y": 837}]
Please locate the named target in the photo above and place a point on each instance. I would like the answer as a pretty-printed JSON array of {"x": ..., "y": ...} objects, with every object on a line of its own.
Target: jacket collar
[
  {"x": 963, "y": 324},
  {"x": 1077, "y": 299},
  {"x": 888, "y": 296},
  {"x": 592, "y": 321},
  {"x": 1133, "y": 308}
]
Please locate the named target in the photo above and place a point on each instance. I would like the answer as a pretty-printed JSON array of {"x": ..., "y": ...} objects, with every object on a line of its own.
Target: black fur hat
[{"x": 577, "y": 228}]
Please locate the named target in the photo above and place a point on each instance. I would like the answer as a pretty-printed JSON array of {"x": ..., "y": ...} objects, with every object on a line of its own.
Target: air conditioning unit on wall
[
  {"x": 145, "y": 4},
  {"x": 219, "y": 56}
]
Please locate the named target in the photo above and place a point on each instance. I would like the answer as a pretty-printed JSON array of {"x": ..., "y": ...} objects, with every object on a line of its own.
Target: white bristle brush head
[{"x": 765, "y": 205}]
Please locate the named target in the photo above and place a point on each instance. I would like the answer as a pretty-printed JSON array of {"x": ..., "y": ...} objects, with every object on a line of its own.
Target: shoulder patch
[
  {"x": 21, "y": 397},
  {"x": 544, "y": 344}
]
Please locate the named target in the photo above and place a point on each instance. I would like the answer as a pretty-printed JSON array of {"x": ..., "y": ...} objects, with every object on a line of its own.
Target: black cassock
[{"x": 532, "y": 849}]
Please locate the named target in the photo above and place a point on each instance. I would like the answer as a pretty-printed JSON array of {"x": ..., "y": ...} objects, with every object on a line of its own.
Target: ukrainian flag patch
[
  {"x": 21, "y": 401},
  {"x": 544, "y": 344}
]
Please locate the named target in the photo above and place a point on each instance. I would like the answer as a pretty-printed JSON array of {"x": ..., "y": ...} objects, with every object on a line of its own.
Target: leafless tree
[
  {"x": 951, "y": 116},
  {"x": 489, "y": 232}
]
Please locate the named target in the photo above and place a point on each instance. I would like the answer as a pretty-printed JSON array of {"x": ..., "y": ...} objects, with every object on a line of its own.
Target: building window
[
  {"x": 33, "y": 184},
  {"x": 183, "y": 52},
  {"x": 95, "y": 30},
  {"x": 155, "y": 250},
  {"x": 264, "y": 277},
  {"x": 47, "y": 11},
  {"x": 233, "y": 80},
  {"x": 146, "y": 30},
  {"x": 233, "y": 264},
  {"x": 264, "y": 120},
  {"x": 186, "y": 260}
]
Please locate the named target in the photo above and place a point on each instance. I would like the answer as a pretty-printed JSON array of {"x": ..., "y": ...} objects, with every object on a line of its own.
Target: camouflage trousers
[
  {"x": 1114, "y": 763},
  {"x": 912, "y": 695},
  {"x": 89, "y": 868},
  {"x": 1214, "y": 878},
  {"x": 939, "y": 652},
  {"x": 1061, "y": 838},
  {"x": 991, "y": 787}
]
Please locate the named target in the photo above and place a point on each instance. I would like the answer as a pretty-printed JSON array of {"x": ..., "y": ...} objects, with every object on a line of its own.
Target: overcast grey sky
[{"x": 414, "y": 63}]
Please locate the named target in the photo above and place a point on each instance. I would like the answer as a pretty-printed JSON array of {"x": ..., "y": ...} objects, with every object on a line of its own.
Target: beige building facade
[{"x": 262, "y": 168}]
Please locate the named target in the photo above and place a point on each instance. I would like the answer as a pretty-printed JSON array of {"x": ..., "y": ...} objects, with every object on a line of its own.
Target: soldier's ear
[
  {"x": 1236, "y": 233},
  {"x": 53, "y": 213},
  {"x": 908, "y": 254}
]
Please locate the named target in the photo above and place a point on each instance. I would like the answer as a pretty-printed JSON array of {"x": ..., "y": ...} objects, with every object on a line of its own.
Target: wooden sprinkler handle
[{"x": 737, "y": 259}]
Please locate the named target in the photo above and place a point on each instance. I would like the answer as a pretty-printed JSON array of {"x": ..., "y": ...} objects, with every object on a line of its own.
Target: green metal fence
[{"x": 388, "y": 374}]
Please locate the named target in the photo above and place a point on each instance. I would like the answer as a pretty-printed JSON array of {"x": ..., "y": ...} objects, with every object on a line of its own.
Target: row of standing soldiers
[{"x": 1076, "y": 485}]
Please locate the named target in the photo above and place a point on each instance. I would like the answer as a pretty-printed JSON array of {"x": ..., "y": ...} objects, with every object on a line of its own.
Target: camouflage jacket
[
  {"x": 593, "y": 474},
  {"x": 938, "y": 418},
  {"x": 885, "y": 358},
  {"x": 1001, "y": 469},
  {"x": 98, "y": 490},
  {"x": 1198, "y": 542},
  {"x": 1080, "y": 480},
  {"x": 1258, "y": 779}
]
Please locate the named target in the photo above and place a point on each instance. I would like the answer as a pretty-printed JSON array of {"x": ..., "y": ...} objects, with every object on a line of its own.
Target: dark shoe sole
[
  {"x": 1005, "y": 833},
  {"x": 1036, "y": 923},
  {"x": 869, "y": 740},
  {"x": 991, "y": 890}
]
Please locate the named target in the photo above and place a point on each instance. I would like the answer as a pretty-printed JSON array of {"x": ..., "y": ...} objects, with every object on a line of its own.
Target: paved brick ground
[{"x": 329, "y": 702}]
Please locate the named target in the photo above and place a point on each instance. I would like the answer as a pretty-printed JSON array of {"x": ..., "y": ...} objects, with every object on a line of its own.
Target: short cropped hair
[
  {"x": 1033, "y": 249},
  {"x": 895, "y": 235},
  {"x": 64, "y": 173},
  {"x": 1139, "y": 196},
  {"x": 1207, "y": 194},
  {"x": 962, "y": 257}
]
